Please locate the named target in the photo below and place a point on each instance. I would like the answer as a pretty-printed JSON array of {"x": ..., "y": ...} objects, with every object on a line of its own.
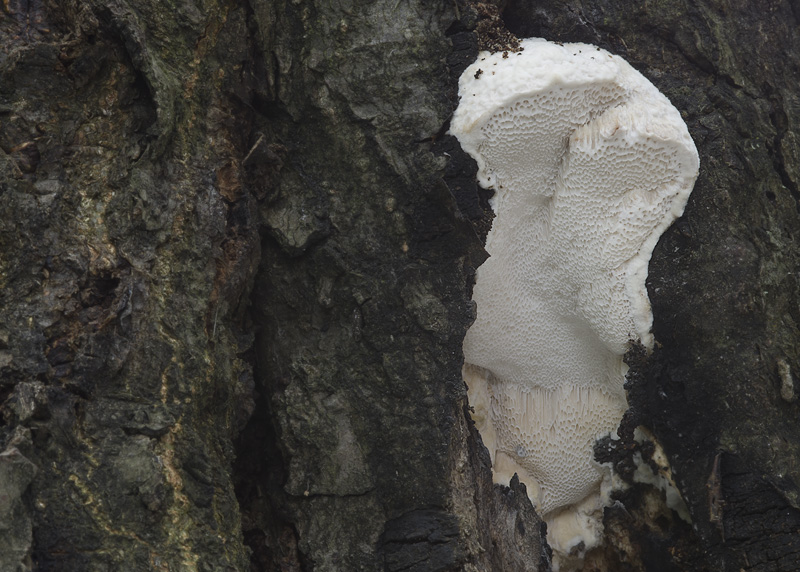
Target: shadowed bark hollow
[{"x": 236, "y": 256}]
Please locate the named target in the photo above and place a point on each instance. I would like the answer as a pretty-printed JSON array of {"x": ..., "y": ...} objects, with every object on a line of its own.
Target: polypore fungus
[{"x": 590, "y": 163}]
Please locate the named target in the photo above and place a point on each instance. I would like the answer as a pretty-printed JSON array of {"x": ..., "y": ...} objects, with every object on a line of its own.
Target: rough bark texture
[
  {"x": 236, "y": 249},
  {"x": 362, "y": 299},
  {"x": 128, "y": 246}
]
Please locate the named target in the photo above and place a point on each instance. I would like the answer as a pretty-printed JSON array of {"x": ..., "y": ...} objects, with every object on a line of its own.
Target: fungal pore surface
[{"x": 590, "y": 163}]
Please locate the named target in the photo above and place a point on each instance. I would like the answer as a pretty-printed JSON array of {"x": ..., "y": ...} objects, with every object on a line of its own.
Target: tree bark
[{"x": 236, "y": 255}]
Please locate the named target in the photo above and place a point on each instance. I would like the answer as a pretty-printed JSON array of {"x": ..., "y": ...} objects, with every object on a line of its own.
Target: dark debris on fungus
[{"x": 493, "y": 36}]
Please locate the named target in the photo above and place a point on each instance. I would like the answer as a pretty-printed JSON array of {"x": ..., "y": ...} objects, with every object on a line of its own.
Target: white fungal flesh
[{"x": 590, "y": 163}]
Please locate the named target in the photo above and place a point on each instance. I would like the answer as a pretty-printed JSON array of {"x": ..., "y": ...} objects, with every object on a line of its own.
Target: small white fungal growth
[{"x": 590, "y": 163}]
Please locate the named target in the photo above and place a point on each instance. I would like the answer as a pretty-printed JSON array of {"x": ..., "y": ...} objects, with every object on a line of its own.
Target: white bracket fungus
[{"x": 590, "y": 163}]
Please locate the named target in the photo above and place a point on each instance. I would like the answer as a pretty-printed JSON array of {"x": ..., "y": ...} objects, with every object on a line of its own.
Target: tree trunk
[{"x": 236, "y": 256}]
